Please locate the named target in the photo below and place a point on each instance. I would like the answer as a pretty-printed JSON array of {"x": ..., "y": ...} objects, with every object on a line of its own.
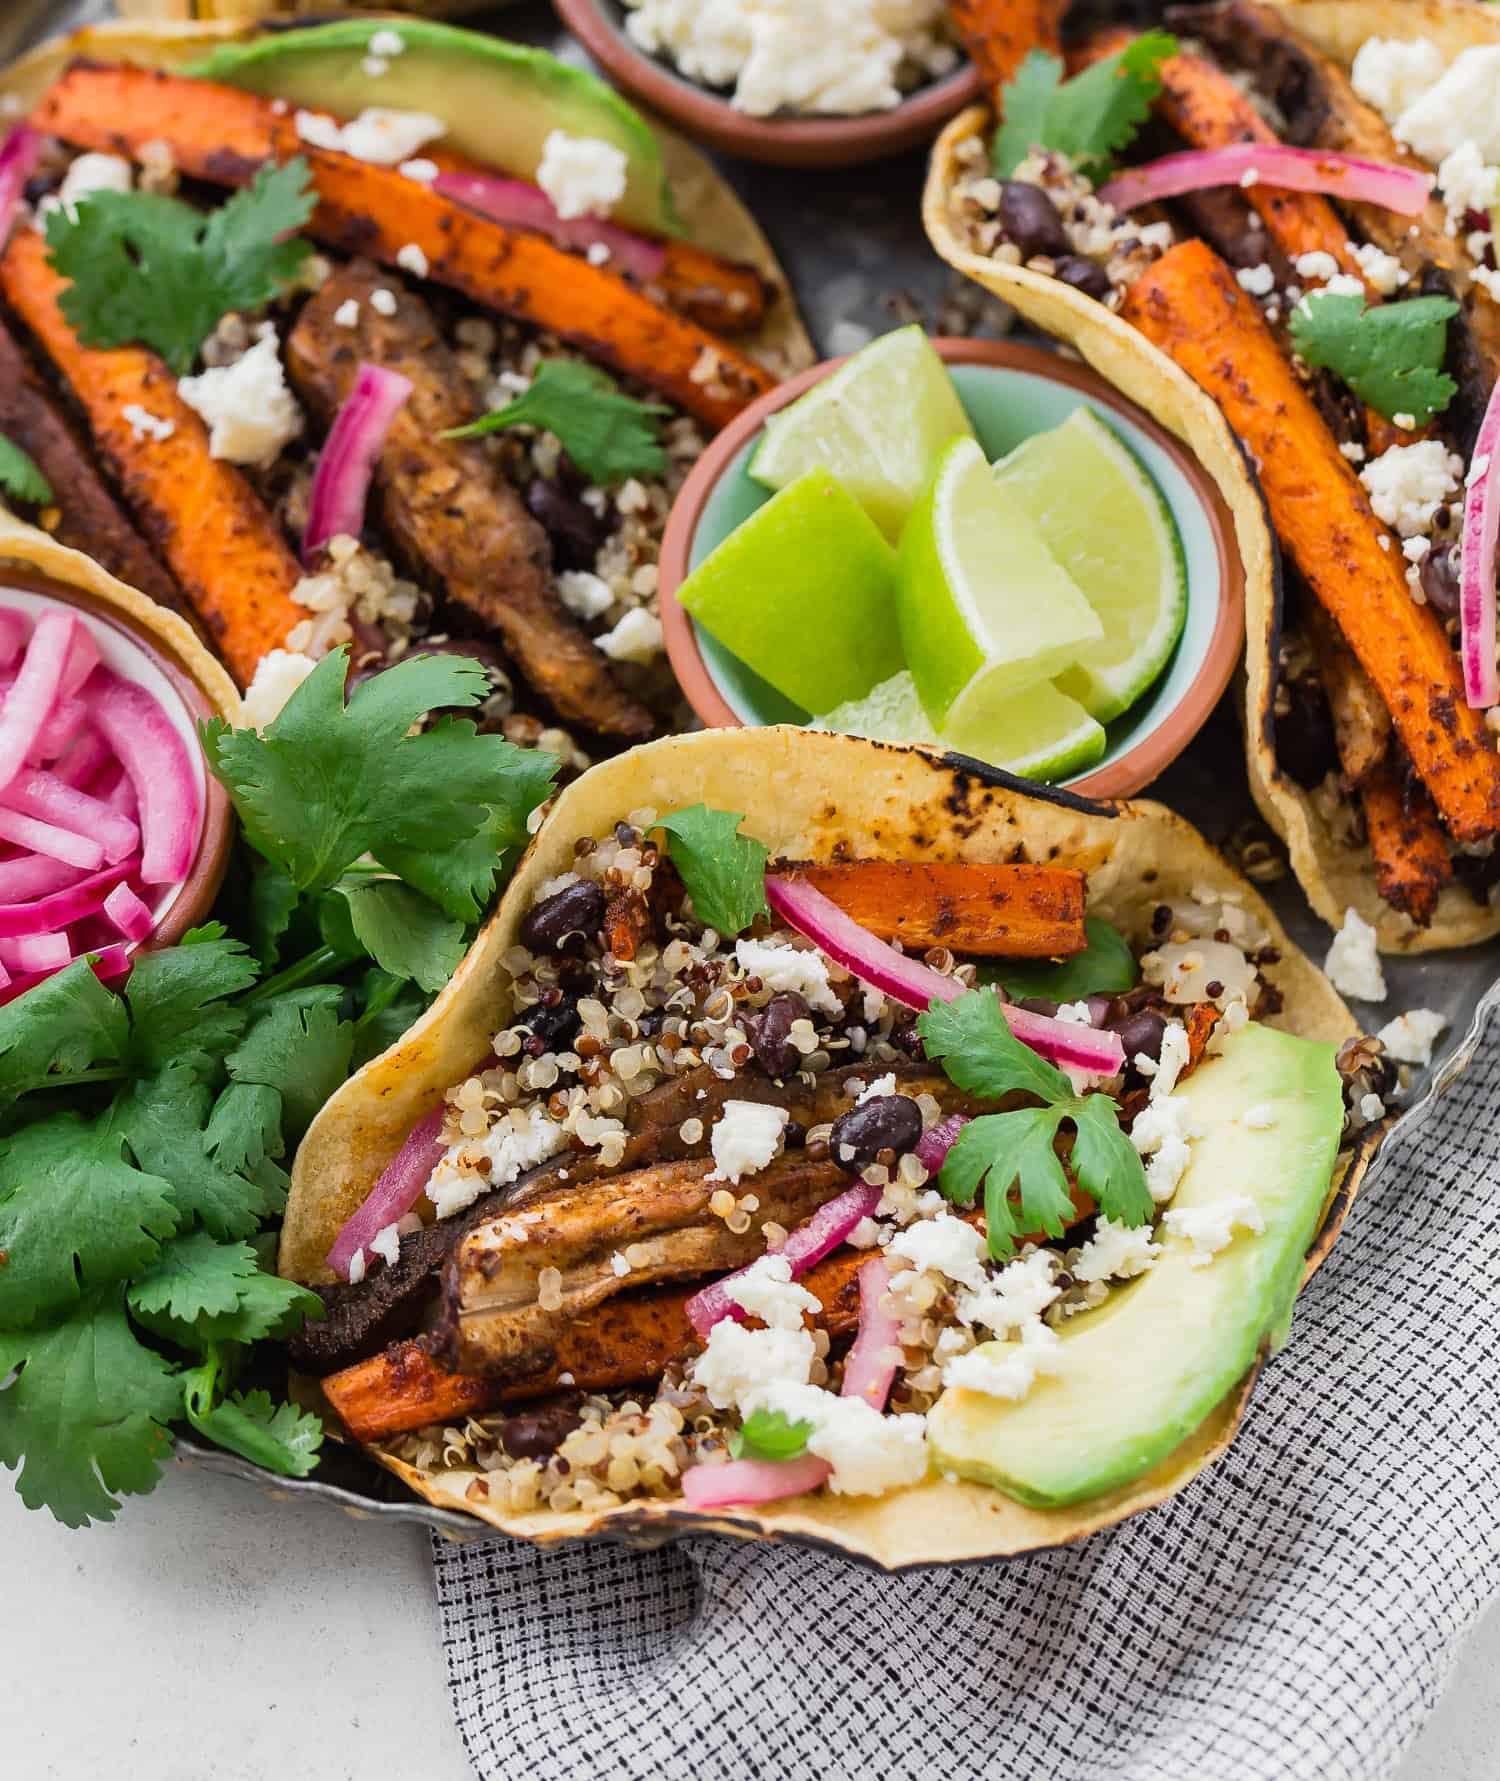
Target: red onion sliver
[
  {"x": 47, "y": 838},
  {"x": 36, "y": 952},
  {"x": 525, "y": 206},
  {"x": 83, "y": 759},
  {"x": 34, "y": 692},
  {"x": 33, "y": 875},
  {"x": 155, "y": 757},
  {"x": 933, "y": 1146},
  {"x": 129, "y": 914},
  {"x": 870, "y": 1366},
  {"x": 1481, "y": 526},
  {"x": 803, "y": 1249},
  {"x": 750, "y": 1481},
  {"x": 83, "y": 658},
  {"x": 14, "y": 631},
  {"x": 341, "y": 482},
  {"x": 916, "y": 985},
  {"x": 50, "y": 799},
  {"x": 19, "y": 154},
  {"x": 393, "y": 1195},
  {"x": 58, "y": 733},
  {"x": 74, "y": 902},
  {"x": 107, "y": 963},
  {"x": 1351, "y": 177}
]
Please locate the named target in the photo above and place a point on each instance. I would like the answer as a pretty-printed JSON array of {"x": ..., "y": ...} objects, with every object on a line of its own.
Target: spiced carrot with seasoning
[
  {"x": 998, "y": 911},
  {"x": 1412, "y": 861},
  {"x": 1000, "y": 34}
]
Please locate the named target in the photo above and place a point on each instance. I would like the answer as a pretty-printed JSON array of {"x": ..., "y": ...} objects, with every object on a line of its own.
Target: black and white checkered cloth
[{"x": 1292, "y": 1616}]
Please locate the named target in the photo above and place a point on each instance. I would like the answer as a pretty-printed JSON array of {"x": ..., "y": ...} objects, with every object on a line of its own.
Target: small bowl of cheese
[{"x": 826, "y": 83}]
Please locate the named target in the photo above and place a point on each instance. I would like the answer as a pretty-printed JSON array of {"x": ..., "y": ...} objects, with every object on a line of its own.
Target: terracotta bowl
[
  {"x": 137, "y": 653},
  {"x": 790, "y": 141},
  {"x": 1010, "y": 391}
]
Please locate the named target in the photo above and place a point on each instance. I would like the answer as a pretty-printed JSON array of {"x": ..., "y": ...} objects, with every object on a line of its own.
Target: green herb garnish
[
  {"x": 724, "y": 871},
  {"x": 150, "y": 269},
  {"x": 610, "y": 436},
  {"x": 1390, "y": 355},
  {"x": 20, "y": 478},
  {"x": 1106, "y": 966},
  {"x": 1089, "y": 118},
  {"x": 769, "y": 1434},
  {"x": 1013, "y": 1154}
]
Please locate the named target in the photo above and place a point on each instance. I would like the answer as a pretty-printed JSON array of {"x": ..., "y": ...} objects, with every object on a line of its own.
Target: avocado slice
[
  {"x": 1143, "y": 1371},
  {"x": 501, "y": 100}
]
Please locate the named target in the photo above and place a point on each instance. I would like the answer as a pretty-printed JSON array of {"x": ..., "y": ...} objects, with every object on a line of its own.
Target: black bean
[
  {"x": 888, "y": 1122},
  {"x": 576, "y": 533},
  {"x": 793, "y": 1135},
  {"x": 564, "y": 918},
  {"x": 537, "y": 1434},
  {"x": 554, "y": 1025},
  {"x": 906, "y": 1037},
  {"x": 1098, "y": 1007},
  {"x": 1141, "y": 1033},
  {"x": 1439, "y": 577},
  {"x": 1029, "y": 218},
  {"x": 770, "y": 1034},
  {"x": 1083, "y": 275}
]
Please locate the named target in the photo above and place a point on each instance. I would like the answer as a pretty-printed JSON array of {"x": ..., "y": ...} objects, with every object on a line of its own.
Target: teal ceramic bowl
[{"x": 1010, "y": 392}]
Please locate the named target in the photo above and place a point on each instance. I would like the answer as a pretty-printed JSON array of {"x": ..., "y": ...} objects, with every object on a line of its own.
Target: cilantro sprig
[
  {"x": 1390, "y": 355},
  {"x": 769, "y": 1434},
  {"x": 610, "y": 436},
  {"x": 724, "y": 871},
  {"x": 1089, "y": 118},
  {"x": 152, "y": 270},
  {"x": 20, "y": 477},
  {"x": 1014, "y": 1155}
]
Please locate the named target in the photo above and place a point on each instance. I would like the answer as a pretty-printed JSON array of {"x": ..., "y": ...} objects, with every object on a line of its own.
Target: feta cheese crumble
[
  {"x": 1116, "y": 1252},
  {"x": 739, "y": 1364},
  {"x": 250, "y": 412},
  {"x": 870, "y": 1453},
  {"x": 584, "y": 593},
  {"x": 745, "y": 1138},
  {"x": 1317, "y": 265},
  {"x": 1409, "y": 1038},
  {"x": 792, "y": 970},
  {"x": 1211, "y": 1228},
  {"x": 93, "y": 173},
  {"x": 1006, "y": 1369},
  {"x": 347, "y": 313},
  {"x": 1353, "y": 962},
  {"x": 582, "y": 175},
  {"x": 944, "y": 1245},
  {"x": 278, "y": 674},
  {"x": 636, "y": 638},
  {"x": 383, "y": 137},
  {"x": 767, "y": 1291},
  {"x": 1260, "y": 280},
  {"x": 1408, "y": 483},
  {"x": 1384, "y": 271},
  {"x": 1391, "y": 75},
  {"x": 1458, "y": 107},
  {"x": 411, "y": 259},
  {"x": 519, "y": 1141},
  {"x": 1014, "y": 1298},
  {"x": 144, "y": 424}
]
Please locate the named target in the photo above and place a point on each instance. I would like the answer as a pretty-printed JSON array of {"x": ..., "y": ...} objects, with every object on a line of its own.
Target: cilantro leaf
[
  {"x": 330, "y": 782},
  {"x": 391, "y": 1004},
  {"x": 74, "y": 1215},
  {"x": 279, "y": 1437},
  {"x": 85, "y": 1415},
  {"x": 20, "y": 477},
  {"x": 1390, "y": 355},
  {"x": 152, "y": 270},
  {"x": 980, "y": 1053},
  {"x": 1089, "y": 118},
  {"x": 769, "y": 1434},
  {"x": 724, "y": 871},
  {"x": 1011, "y": 1153},
  {"x": 177, "y": 1008},
  {"x": 299, "y": 1047},
  {"x": 1106, "y": 966},
  {"x": 271, "y": 902},
  {"x": 1107, "y": 1164},
  {"x": 244, "y": 1128},
  {"x": 403, "y": 931},
  {"x": 610, "y": 436},
  {"x": 194, "y": 1276},
  {"x": 61, "y": 1026}
]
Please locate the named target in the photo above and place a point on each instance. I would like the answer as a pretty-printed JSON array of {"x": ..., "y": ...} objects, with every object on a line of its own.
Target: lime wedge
[
  {"x": 890, "y": 712},
  {"x": 878, "y": 423},
  {"x": 1039, "y": 734},
  {"x": 804, "y": 592},
  {"x": 1107, "y": 523},
  {"x": 985, "y": 610}
]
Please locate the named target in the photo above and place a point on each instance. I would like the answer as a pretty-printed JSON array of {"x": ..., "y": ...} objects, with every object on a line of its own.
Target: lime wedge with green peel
[
  {"x": 890, "y": 712},
  {"x": 985, "y": 610},
  {"x": 804, "y": 592},
  {"x": 878, "y": 423},
  {"x": 1108, "y": 525},
  {"x": 1039, "y": 733}
]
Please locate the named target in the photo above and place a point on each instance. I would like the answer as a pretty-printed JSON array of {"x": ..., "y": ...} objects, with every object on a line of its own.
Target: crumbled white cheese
[
  {"x": 1408, "y": 483},
  {"x": 766, "y": 1290},
  {"x": 1391, "y": 75},
  {"x": 944, "y": 1245},
  {"x": 378, "y": 135},
  {"x": 1458, "y": 107},
  {"x": 1353, "y": 962},
  {"x": 383, "y": 301},
  {"x": 738, "y": 1363},
  {"x": 1316, "y": 265},
  {"x": 1382, "y": 270},
  {"x": 278, "y": 674},
  {"x": 411, "y": 259},
  {"x": 1075, "y": 1013},
  {"x": 870, "y": 1453},
  {"x": 1371, "y": 1108},
  {"x": 1259, "y": 281},
  {"x": 878, "y": 1089},
  {"x": 834, "y": 56},
  {"x": 1409, "y": 1038},
  {"x": 356, "y": 1267},
  {"x": 419, "y": 169},
  {"x": 1006, "y": 1369},
  {"x": 1015, "y": 1297},
  {"x": 1259, "y": 1118},
  {"x": 1170, "y": 1062},
  {"x": 1116, "y": 1252},
  {"x": 1161, "y": 1132},
  {"x": 347, "y": 313},
  {"x": 93, "y": 173},
  {"x": 745, "y": 1138},
  {"x": 1467, "y": 184},
  {"x": 251, "y": 414},
  {"x": 583, "y": 593},
  {"x": 636, "y": 638},
  {"x": 582, "y": 175},
  {"x": 389, "y": 44},
  {"x": 144, "y": 424},
  {"x": 386, "y": 1243},
  {"x": 521, "y": 1140},
  {"x": 1211, "y": 1228},
  {"x": 1353, "y": 450},
  {"x": 618, "y": 1265},
  {"x": 795, "y": 970}
]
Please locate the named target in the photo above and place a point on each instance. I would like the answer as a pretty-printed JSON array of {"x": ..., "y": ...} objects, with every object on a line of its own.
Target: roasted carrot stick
[
  {"x": 205, "y": 520},
  {"x": 1412, "y": 862},
  {"x": 1361, "y": 723},
  {"x": 221, "y": 134},
  {"x": 1000, "y": 34},
  {"x": 997, "y": 911},
  {"x": 1190, "y": 306}
]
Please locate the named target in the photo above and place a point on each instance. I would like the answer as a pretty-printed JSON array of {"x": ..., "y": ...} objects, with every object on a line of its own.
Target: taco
[
  {"x": 1349, "y": 332},
  {"x": 537, "y": 1220},
  {"x": 266, "y": 273}
]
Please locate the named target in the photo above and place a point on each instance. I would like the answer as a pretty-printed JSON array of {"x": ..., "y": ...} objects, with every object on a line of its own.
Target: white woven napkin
[{"x": 1293, "y": 1614}]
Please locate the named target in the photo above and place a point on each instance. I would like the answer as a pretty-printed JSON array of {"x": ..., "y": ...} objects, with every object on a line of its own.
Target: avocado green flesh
[
  {"x": 1143, "y": 1371},
  {"x": 501, "y": 100}
]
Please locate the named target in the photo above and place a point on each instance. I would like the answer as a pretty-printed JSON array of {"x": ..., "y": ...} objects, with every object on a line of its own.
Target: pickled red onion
[
  {"x": 749, "y": 1481},
  {"x": 870, "y": 1366},
  {"x": 153, "y": 754},
  {"x": 525, "y": 206},
  {"x": 1476, "y": 599},
  {"x": 341, "y": 482},
  {"x": 35, "y": 690},
  {"x": 44, "y": 796},
  {"x": 129, "y": 914},
  {"x": 75, "y": 902},
  {"x": 393, "y": 1195},
  {"x": 19, "y": 154},
  {"x": 1361, "y": 181}
]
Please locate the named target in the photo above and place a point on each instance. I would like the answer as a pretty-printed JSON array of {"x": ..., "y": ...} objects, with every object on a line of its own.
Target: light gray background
[{"x": 212, "y": 1635}]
